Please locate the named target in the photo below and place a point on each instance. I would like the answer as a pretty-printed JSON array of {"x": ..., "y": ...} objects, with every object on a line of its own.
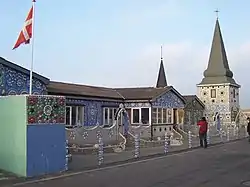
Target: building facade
[
  {"x": 86, "y": 105},
  {"x": 14, "y": 80},
  {"x": 218, "y": 90}
]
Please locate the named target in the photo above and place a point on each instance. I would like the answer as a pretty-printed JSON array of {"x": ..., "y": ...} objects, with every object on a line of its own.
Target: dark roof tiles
[{"x": 82, "y": 90}]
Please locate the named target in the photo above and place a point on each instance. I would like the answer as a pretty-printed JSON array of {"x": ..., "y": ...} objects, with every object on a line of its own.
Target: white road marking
[{"x": 114, "y": 166}]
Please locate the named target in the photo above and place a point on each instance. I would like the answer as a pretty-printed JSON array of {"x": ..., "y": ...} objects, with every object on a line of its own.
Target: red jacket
[{"x": 203, "y": 126}]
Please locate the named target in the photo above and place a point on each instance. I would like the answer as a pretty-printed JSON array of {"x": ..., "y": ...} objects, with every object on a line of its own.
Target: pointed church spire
[
  {"x": 218, "y": 70},
  {"x": 161, "y": 81}
]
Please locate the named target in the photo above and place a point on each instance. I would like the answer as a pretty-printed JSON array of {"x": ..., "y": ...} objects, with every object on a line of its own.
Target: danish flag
[{"x": 26, "y": 33}]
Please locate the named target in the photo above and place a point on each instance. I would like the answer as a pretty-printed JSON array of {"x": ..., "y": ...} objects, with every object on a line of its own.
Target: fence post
[
  {"x": 237, "y": 132},
  {"x": 189, "y": 139},
  {"x": 166, "y": 141},
  {"x": 100, "y": 147},
  {"x": 246, "y": 134},
  {"x": 137, "y": 145},
  {"x": 208, "y": 136},
  {"x": 234, "y": 131},
  {"x": 100, "y": 150},
  {"x": 221, "y": 135},
  {"x": 67, "y": 153},
  {"x": 228, "y": 134}
]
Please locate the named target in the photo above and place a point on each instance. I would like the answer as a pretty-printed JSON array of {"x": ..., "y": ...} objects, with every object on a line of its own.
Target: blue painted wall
[
  {"x": 46, "y": 150},
  {"x": 169, "y": 100},
  {"x": 93, "y": 110},
  {"x": 13, "y": 82}
]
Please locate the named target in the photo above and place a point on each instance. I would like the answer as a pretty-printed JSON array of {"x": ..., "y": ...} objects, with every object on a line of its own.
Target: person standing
[{"x": 203, "y": 126}]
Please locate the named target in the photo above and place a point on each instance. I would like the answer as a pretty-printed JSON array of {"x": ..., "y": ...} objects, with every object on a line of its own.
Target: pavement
[
  {"x": 221, "y": 165},
  {"x": 83, "y": 162}
]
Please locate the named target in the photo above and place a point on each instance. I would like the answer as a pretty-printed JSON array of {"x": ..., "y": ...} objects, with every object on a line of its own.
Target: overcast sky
[{"x": 117, "y": 43}]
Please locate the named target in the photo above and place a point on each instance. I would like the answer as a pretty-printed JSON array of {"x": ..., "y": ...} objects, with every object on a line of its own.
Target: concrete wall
[{"x": 13, "y": 134}]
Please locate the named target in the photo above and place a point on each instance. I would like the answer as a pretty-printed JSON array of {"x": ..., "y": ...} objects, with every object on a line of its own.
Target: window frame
[
  {"x": 234, "y": 93},
  {"x": 140, "y": 115},
  {"x": 76, "y": 115},
  {"x": 211, "y": 93},
  {"x": 110, "y": 118},
  {"x": 160, "y": 112}
]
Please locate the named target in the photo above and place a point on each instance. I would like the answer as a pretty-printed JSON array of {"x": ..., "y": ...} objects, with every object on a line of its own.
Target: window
[
  {"x": 222, "y": 93},
  {"x": 108, "y": 116},
  {"x": 213, "y": 93},
  {"x": 145, "y": 115},
  {"x": 234, "y": 93},
  {"x": 136, "y": 117},
  {"x": 213, "y": 100},
  {"x": 74, "y": 115},
  {"x": 162, "y": 116},
  {"x": 140, "y": 115}
]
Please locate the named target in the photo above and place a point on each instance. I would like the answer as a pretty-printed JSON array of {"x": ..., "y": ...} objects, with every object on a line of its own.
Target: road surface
[{"x": 226, "y": 165}]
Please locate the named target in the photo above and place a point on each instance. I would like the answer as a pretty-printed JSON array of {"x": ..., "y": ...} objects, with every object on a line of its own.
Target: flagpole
[{"x": 32, "y": 47}]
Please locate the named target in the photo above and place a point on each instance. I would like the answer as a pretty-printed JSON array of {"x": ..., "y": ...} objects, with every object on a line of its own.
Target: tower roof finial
[
  {"x": 217, "y": 13},
  {"x": 161, "y": 53}
]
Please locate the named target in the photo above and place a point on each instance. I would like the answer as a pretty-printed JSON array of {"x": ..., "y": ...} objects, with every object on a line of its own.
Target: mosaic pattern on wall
[
  {"x": 169, "y": 100},
  {"x": 13, "y": 82},
  {"x": 93, "y": 110},
  {"x": 139, "y": 105},
  {"x": 217, "y": 108},
  {"x": 45, "y": 109},
  {"x": 191, "y": 117}
]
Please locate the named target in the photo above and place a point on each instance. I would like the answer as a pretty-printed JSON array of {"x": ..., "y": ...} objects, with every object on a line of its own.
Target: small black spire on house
[
  {"x": 161, "y": 81},
  {"x": 218, "y": 70}
]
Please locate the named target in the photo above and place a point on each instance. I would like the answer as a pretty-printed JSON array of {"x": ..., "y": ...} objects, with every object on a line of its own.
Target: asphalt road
[{"x": 226, "y": 165}]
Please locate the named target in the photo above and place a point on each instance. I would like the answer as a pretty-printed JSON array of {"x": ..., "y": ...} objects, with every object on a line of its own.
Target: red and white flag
[{"x": 26, "y": 33}]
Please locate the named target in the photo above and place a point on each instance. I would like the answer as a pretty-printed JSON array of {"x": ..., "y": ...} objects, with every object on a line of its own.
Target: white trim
[
  {"x": 70, "y": 115},
  {"x": 221, "y": 84},
  {"x": 150, "y": 113}
]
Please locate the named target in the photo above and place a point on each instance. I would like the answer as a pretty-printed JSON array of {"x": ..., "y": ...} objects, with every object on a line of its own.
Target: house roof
[
  {"x": 190, "y": 98},
  {"x": 141, "y": 93},
  {"x": 82, "y": 90},
  {"x": 23, "y": 70}
]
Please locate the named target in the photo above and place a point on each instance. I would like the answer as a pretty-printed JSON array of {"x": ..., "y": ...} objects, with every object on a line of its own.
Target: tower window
[
  {"x": 213, "y": 100},
  {"x": 222, "y": 93},
  {"x": 204, "y": 93},
  {"x": 222, "y": 100},
  {"x": 234, "y": 93},
  {"x": 204, "y": 101},
  {"x": 213, "y": 93}
]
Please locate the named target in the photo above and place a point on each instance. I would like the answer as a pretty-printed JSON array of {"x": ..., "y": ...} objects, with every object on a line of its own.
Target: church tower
[{"x": 218, "y": 90}]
